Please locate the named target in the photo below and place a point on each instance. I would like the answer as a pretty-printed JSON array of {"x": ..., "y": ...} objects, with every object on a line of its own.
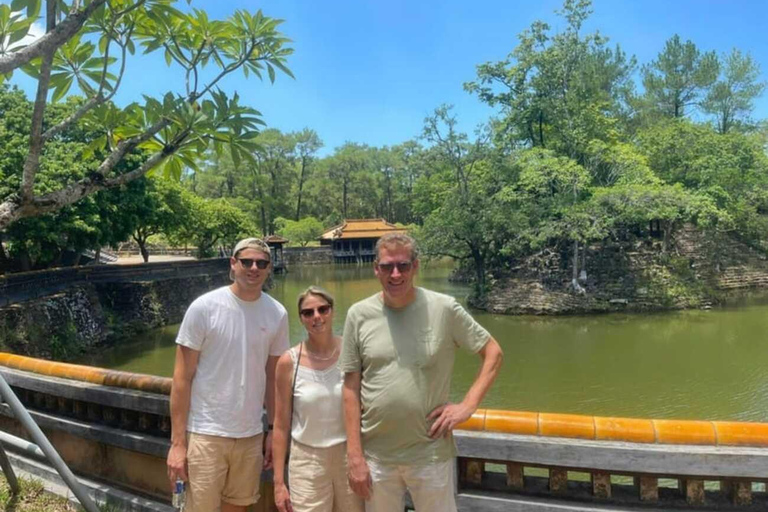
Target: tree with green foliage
[
  {"x": 300, "y": 232},
  {"x": 274, "y": 173},
  {"x": 98, "y": 220},
  {"x": 671, "y": 205},
  {"x": 731, "y": 169},
  {"x": 556, "y": 184},
  {"x": 161, "y": 210},
  {"x": 731, "y": 99},
  {"x": 467, "y": 214},
  {"x": 308, "y": 143},
  {"x": 679, "y": 77},
  {"x": 557, "y": 91},
  {"x": 347, "y": 163},
  {"x": 171, "y": 132},
  {"x": 211, "y": 223}
]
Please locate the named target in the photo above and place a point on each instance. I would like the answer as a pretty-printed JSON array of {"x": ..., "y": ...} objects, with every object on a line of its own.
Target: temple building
[
  {"x": 354, "y": 241},
  {"x": 275, "y": 243}
]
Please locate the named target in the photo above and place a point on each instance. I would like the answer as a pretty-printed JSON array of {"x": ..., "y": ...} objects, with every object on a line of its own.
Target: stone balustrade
[{"x": 115, "y": 426}]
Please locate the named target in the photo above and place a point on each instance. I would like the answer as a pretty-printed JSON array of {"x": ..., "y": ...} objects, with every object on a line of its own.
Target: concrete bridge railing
[{"x": 115, "y": 426}]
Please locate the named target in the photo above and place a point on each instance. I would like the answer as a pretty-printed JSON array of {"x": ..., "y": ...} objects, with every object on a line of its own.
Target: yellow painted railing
[
  {"x": 128, "y": 380},
  {"x": 635, "y": 430}
]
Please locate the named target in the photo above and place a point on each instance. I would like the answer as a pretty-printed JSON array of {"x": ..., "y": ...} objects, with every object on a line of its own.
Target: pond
[{"x": 688, "y": 365}]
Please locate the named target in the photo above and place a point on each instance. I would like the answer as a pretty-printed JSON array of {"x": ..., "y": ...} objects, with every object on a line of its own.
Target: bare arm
[
  {"x": 269, "y": 402},
  {"x": 184, "y": 370},
  {"x": 282, "y": 432},
  {"x": 359, "y": 475},
  {"x": 446, "y": 417}
]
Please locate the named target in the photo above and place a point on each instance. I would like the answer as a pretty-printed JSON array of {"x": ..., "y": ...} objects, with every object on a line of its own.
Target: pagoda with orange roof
[{"x": 354, "y": 241}]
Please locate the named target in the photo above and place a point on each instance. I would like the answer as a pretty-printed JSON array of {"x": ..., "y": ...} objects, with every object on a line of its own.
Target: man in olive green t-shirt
[{"x": 397, "y": 356}]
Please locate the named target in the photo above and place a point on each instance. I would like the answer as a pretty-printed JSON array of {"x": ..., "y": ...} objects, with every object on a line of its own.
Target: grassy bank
[{"x": 32, "y": 498}]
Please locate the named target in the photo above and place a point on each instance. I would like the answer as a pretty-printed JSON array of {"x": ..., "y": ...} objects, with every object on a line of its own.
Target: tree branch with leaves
[{"x": 172, "y": 133}]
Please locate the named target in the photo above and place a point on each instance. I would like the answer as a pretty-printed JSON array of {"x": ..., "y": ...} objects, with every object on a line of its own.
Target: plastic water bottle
[{"x": 179, "y": 495}]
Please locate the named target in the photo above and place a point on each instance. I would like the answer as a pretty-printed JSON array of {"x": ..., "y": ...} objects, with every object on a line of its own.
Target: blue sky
[{"x": 369, "y": 71}]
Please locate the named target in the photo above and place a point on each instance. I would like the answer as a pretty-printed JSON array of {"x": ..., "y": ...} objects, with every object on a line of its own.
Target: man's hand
[
  {"x": 268, "y": 450},
  {"x": 446, "y": 417},
  {"x": 283, "y": 498},
  {"x": 359, "y": 476},
  {"x": 177, "y": 464}
]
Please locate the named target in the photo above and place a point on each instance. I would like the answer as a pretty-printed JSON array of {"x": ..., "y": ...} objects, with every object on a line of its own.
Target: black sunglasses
[
  {"x": 310, "y": 312},
  {"x": 402, "y": 267},
  {"x": 249, "y": 262}
]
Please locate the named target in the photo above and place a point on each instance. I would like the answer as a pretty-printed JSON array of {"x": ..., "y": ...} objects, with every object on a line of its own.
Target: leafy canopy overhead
[{"x": 88, "y": 44}]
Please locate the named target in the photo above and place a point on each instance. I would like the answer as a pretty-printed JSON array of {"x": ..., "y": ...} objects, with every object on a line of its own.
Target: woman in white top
[{"x": 308, "y": 402}]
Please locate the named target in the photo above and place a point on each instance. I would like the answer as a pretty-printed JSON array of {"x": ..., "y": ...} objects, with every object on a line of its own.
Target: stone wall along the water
[
  {"x": 699, "y": 270},
  {"x": 87, "y": 315},
  {"x": 307, "y": 256}
]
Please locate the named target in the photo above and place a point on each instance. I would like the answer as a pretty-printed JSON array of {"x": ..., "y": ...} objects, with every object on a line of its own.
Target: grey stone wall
[
  {"x": 307, "y": 256},
  {"x": 699, "y": 271},
  {"x": 29, "y": 285},
  {"x": 87, "y": 316}
]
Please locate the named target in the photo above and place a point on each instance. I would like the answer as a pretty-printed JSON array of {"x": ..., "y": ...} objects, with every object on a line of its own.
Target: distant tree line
[{"x": 577, "y": 152}]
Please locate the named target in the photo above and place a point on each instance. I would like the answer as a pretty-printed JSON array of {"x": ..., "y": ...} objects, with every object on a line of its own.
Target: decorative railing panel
[{"x": 508, "y": 460}]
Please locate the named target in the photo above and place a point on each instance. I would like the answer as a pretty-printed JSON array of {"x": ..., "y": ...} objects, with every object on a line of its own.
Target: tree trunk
[
  {"x": 301, "y": 187},
  {"x": 344, "y": 199},
  {"x": 143, "y": 250},
  {"x": 230, "y": 184},
  {"x": 262, "y": 208},
  {"x": 531, "y": 135},
  {"x": 25, "y": 262},
  {"x": 667, "y": 236},
  {"x": 264, "y": 226},
  {"x": 57, "y": 260},
  {"x": 575, "y": 276},
  {"x": 477, "y": 257},
  {"x": 575, "y": 260},
  {"x": 4, "y": 261}
]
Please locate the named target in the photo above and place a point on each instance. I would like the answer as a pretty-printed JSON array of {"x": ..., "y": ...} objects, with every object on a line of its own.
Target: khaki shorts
[
  {"x": 318, "y": 480},
  {"x": 222, "y": 469}
]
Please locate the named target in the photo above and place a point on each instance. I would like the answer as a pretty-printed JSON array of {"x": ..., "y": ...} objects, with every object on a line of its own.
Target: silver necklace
[{"x": 318, "y": 357}]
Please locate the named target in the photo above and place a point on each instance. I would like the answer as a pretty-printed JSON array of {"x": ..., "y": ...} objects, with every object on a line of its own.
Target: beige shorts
[
  {"x": 222, "y": 469},
  {"x": 318, "y": 480},
  {"x": 431, "y": 486}
]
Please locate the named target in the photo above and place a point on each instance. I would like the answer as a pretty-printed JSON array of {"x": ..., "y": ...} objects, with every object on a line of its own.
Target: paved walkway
[{"x": 132, "y": 260}]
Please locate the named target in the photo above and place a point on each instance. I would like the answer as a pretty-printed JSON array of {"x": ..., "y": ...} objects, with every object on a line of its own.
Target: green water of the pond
[{"x": 689, "y": 365}]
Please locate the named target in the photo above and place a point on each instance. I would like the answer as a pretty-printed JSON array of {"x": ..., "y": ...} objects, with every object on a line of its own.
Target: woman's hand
[{"x": 283, "y": 498}]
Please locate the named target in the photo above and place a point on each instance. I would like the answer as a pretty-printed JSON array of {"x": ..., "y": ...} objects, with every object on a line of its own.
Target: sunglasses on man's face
[
  {"x": 249, "y": 262},
  {"x": 402, "y": 267},
  {"x": 310, "y": 312}
]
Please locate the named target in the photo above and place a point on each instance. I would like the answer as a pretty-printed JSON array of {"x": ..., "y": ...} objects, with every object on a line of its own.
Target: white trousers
[{"x": 431, "y": 486}]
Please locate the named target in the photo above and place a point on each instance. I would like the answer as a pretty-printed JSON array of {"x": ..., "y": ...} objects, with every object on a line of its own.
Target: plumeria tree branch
[{"x": 170, "y": 134}]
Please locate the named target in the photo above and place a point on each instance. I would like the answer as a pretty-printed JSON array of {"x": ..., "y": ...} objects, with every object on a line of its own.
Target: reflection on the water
[{"x": 692, "y": 364}]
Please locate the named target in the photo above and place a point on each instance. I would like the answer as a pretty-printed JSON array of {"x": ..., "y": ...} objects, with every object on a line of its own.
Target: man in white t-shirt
[{"x": 228, "y": 345}]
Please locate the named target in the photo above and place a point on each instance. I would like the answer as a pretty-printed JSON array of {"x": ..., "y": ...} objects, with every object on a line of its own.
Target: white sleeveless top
[{"x": 318, "y": 413}]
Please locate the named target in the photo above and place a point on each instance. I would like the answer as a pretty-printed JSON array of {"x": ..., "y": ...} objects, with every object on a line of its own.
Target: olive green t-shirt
[{"x": 406, "y": 357}]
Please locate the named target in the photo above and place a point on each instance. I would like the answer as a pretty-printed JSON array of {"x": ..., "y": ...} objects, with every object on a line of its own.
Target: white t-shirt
[{"x": 234, "y": 338}]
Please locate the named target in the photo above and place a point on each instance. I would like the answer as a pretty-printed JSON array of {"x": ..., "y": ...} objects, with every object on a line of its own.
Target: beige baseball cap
[
  {"x": 249, "y": 243},
  {"x": 252, "y": 243}
]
